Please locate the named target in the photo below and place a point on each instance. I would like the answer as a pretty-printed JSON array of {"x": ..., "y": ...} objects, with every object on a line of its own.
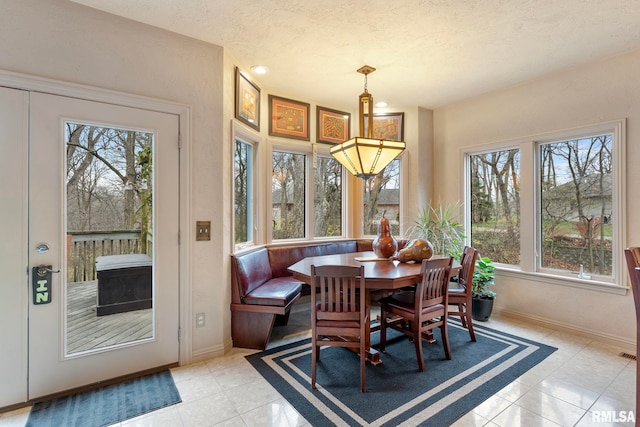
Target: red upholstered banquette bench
[{"x": 263, "y": 291}]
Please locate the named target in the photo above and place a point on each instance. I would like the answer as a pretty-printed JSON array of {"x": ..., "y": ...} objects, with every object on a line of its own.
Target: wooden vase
[{"x": 384, "y": 245}]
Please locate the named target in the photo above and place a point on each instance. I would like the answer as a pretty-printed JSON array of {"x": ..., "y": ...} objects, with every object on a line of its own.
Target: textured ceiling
[{"x": 427, "y": 53}]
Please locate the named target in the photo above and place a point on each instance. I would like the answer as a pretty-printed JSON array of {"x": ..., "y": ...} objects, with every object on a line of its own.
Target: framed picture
[
  {"x": 288, "y": 118},
  {"x": 333, "y": 126},
  {"x": 247, "y": 101},
  {"x": 388, "y": 126}
]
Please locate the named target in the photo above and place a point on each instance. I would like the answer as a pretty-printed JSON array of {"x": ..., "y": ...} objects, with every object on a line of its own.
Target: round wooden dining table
[{"x": 380, "y": 273}]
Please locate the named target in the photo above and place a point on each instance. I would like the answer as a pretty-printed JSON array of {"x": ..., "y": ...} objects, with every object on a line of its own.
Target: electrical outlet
[{"x": 199, "y": 320}]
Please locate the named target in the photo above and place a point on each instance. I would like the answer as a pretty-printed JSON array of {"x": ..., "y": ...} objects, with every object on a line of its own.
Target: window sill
[{"x": 591, "y": 285}]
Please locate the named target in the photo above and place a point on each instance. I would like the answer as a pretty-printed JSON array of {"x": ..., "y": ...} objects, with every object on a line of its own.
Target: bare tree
[
  {"x": 241, "y": 188},
  {"x": 288, "y": 183},
  {"x": 373, "y": 190},
  {"x": 104, "y": 178},
  {"x": 576, "y": 186}
]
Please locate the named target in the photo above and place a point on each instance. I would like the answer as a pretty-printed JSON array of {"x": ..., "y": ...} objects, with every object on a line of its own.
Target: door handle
[{"x": 43, "y": 270}]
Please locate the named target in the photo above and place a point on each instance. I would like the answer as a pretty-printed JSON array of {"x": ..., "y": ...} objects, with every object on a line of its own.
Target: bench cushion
[{"x": 276, "y": 292}]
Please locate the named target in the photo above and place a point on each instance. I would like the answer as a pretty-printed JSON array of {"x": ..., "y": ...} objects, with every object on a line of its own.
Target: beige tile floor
[{"x": 580, "y": 382}]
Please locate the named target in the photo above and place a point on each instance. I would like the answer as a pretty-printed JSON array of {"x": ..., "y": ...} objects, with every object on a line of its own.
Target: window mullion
[{"x": 529, "y": 208}]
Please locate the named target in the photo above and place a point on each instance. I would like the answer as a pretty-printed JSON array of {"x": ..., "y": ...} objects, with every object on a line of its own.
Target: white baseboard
[
  {"x": 208, "y": 353},
  {"x": 623, "y": 343}
]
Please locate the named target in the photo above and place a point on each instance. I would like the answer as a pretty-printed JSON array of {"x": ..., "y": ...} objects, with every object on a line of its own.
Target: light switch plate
[{"x": 203, "y": 230}]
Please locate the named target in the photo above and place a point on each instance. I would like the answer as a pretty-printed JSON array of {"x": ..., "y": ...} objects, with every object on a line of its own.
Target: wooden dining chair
[
  {"x": 339, "y": 313},
  {"x": 632, "y": 255},
  {"x": 417, "y": 313},
  {"x": 460, "y": 292}
]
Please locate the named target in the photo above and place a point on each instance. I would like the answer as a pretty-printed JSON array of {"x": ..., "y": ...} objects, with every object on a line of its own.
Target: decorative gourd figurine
[
  {"x": 384, "y": 245},
  {"x": 416, "y": 250}
]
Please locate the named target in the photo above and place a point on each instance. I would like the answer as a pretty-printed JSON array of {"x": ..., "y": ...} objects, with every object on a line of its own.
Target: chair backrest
[
  {"x": 338, "y": 292},
  {"x": 467, "y": 265},
  {"x": 632, "y": 255},
  {"x": 433, "y": 287}
]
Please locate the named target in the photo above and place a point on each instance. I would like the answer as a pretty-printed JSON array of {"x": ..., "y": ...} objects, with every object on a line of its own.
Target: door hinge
[
  {"x": 179, "y": 141},
  {"x": 179, "y": 334}
]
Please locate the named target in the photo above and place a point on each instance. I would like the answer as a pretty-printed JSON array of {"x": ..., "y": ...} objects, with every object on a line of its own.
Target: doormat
[
  {"x": 107, "y": 405},
  {"x": 397, "y": 392}
]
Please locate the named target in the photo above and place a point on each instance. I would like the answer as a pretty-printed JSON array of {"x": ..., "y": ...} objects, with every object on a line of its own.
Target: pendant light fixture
[{"x": 365, "y": 156}]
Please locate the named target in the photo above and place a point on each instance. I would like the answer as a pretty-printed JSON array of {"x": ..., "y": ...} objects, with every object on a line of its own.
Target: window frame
[
  {"x": 343, "y": 210},
  {"x": 530, "y": 217},
  {"x": 310, "y": 151},
  {"x": 239, "y": 133}
]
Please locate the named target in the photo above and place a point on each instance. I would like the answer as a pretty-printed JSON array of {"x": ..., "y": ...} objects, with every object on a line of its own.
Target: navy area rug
[
  {"x": 397, "y": 392},
  {"x": 107, "y": 405}
]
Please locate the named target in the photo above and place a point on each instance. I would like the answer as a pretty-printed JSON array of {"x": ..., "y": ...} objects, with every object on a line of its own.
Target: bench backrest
[
  {"x": 248, "y": 271},
  {"x": 281, "y": 257}
]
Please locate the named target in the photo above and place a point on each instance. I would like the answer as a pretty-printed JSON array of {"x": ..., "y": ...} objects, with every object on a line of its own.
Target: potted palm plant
[
  {"x": 482, "y": 294},
  {"x": 439, "y": 225}
]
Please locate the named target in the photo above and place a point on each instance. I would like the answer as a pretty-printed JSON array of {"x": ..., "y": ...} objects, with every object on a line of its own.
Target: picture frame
[
  {"x": 333, "y": 126},
  {"x": 288, "y": 118},
  {"x": 389, "y": 126},
  {"x": 247, "y": 108}
]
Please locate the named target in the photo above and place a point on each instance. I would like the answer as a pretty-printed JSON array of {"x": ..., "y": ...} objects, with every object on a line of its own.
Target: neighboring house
[
  {"x": 276, "y": 204},
  {"x": 595, "y": 196},
  {"x": 388, "y": 200}
]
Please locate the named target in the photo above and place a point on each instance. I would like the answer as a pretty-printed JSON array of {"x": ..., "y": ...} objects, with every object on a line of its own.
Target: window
[
  {"x": 495, "y": 205},
  {"x": 553, "y": 205},
  {"x": 243, "y": 192},
  {"x": 327, "y": 197},
  {"x": 288, "y": 191},
  {"x": 382, "y": 194},
  {"x": 575, "y": 187}
]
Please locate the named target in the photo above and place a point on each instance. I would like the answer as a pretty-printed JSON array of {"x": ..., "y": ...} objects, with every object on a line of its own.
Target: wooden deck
[{"x": 86, "y": 331}]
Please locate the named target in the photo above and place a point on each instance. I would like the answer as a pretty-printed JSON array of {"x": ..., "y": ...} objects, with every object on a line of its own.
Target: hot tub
[{"x": 124, "y": 283}]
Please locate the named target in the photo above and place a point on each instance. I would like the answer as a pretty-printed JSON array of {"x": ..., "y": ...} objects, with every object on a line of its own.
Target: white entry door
[{"x": 103, "y": 255}]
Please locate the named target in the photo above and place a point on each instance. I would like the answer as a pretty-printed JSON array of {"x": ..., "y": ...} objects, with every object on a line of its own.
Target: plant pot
[{"x": 481, "y": 309}]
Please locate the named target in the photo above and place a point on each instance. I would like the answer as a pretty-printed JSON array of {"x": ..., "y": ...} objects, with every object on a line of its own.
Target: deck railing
[{"x": 85, "y": 246}]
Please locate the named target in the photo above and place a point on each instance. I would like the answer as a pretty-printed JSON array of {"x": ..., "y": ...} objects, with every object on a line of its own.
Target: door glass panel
[{"x": 109, "y": 231}]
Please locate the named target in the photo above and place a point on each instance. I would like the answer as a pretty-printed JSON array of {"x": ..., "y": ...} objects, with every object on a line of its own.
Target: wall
[
  {"x": 417, "y": 161},
  {"x": 596, "y": 93},
  {"x": 65, "y": 41}
]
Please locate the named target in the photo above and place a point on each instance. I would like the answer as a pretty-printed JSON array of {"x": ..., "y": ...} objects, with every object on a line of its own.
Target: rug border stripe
[{"x": 331, "y": 410}]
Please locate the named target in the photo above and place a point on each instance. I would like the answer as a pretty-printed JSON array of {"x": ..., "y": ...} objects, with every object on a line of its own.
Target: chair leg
[
  {"x": 383, "y": 329},
  {"x": 363, "y": 356},
  {"x": 314, "y": 359},
  {"x": 444, "y": 331},
  {"x": 417, "y": 341},
  {"x": 463, "y": 318},
  {"x": 472, "y": 333}
]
